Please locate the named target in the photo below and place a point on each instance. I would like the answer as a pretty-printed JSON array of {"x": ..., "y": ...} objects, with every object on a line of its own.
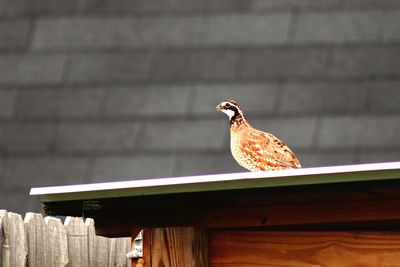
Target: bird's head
[{"x": 231, "y": 108}]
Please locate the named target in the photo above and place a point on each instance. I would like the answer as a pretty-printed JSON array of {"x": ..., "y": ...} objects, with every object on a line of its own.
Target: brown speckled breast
[{"x": 259, "y": 151}]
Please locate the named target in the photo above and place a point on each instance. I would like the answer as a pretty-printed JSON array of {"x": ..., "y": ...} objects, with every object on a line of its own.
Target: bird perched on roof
[{"x": 253, "y": 149}]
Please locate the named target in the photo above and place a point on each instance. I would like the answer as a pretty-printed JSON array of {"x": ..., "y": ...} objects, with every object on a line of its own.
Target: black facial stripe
[
  {"x": 237, "y": 113},
  {"x": 233, "y": 108}
]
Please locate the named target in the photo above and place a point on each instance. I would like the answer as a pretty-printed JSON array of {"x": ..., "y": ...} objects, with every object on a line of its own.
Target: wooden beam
[
  {"x": 373, "y": 214},
  {"x": 174, "y": 246},
  {"x": 306, "y": 214},
  {"x": 179, "y": 247},
  {"x": 372, "y": 203},
  {"x": 265, "y": 248}
]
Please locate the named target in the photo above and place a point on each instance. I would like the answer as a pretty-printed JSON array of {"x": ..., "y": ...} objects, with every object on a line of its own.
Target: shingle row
[
  {"x": 111, "y": 136},
  {"x": 238, "y": 29},
  {"x": 197, "y": 100},
  {"x": 181, "y": 135},
  {"x": 104, "y": 7},
  {"x": 199, "y": 65}
]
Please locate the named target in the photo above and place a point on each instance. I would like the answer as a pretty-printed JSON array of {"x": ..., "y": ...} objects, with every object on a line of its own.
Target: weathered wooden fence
[{"x": 41, "y": 242}]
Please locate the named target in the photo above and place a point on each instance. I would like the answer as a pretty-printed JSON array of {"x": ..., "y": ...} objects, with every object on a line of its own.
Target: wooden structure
[
  {"x": 40, "y": 242},
  {"x": 328, "y": 216}
]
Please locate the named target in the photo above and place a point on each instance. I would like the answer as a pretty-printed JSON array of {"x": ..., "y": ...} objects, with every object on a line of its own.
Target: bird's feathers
[
  {"x": 253, "y": 149},
  {"x": 260, "y": 150}
]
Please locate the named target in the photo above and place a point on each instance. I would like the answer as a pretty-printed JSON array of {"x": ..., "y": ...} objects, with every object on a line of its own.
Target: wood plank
[
  {"x": 37, "y": 240},
  {"x": 58, "y": 243},
  {"x": 101, "y": 253},
  {"x": 98, "y": 246},
  {"x": 111, "y": 251},
  {"x": 77, "y": 234},
  {"x": 179, "y": 247},
  {"x": 304, "y": 249},
  {"x": 122, "y": 247},
  {"x": 15, "y": 238},
  {"x": 91, "y": 242},
  {"x": 260, "y": 207},
  {"x": 373, "y": 213},
  {"x": 340, "y": 213},
  {"x": 147, "y": 245},
  {"x": 4, "y": 246}
]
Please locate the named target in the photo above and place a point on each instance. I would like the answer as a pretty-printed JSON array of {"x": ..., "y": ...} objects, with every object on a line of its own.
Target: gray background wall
[{"x": 94, "y": 90}]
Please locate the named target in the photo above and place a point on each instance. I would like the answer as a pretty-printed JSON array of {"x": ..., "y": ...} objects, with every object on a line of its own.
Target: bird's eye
[{"x": 227, "y": 105}]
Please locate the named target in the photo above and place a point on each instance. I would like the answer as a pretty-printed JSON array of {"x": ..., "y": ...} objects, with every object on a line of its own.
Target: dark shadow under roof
[{"x": 363, "y": 196}]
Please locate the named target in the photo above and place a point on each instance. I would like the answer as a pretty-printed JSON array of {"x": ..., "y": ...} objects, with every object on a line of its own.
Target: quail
[{"x": 253, "y": 149}]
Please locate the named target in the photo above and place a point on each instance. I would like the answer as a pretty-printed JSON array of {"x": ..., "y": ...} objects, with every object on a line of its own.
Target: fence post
[
  {"x": 37, "y": 242},
  {"x": 36, "y": 235},
  {"x": 77, "y": 236},
  {"x": 98, "y": 246},
  {"x": 5, "y": 247},
  {"x": 58, "y": 243},
  {"x": 122, "y": 244},
  {"x": 14, "y": 246}
]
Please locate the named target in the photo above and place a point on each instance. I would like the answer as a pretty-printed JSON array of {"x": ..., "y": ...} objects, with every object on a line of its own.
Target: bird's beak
[{"x": 219, "y": 107}]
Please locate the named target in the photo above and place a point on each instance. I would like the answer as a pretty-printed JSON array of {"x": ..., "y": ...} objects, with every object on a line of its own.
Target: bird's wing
[{"x": 269, "y": 149}]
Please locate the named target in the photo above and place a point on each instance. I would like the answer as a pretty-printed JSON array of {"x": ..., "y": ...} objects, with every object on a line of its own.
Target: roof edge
[{"x": 215, "y": 182}]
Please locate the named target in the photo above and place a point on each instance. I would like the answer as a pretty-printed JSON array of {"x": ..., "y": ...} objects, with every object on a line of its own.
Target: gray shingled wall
[{"x": 95, "y": 90}]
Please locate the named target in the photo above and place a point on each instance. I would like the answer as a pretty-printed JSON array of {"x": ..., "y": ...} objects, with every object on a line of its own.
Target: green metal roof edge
[{"x": 246, "y": 180}]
